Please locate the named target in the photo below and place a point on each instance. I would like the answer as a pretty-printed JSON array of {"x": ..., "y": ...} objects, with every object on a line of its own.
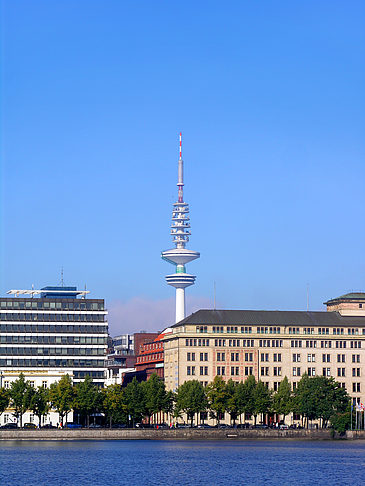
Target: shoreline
[{"x": 178, "y": 434}]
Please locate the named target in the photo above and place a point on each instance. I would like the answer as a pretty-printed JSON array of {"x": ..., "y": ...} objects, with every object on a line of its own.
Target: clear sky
[{"x": 270, "y": 99}]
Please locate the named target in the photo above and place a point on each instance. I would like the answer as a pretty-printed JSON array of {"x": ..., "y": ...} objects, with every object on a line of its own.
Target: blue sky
[{"x": 270, "y": 99}]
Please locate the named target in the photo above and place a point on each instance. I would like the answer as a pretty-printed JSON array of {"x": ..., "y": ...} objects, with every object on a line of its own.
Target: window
[
  {"x": 235, "y": 370},
  {"x": 203, "y": 370},
  {"x": 6, "y": 384},
  {"x": 355, "y": 371},
  {"x": 44, "y": 384},
  {"x": 31, "y": 383},
  {"x": 341, "y": 371},
  {"x": 190, "y": 371},
  {"x": 356, "y": 358},
  {"x": 248, "y": 357},
  {"x": 277, "y": 357},
  {"x": 248, "y": 370},
  {"x": 356, "y": 388},
  {"x": 341, "y": 358},
  {"x": 277, "y": 370},
  {"x": 203, "y": 356},
  {"x": 221, "y": 370},
  {"x": 311, "y": 358},
  {"x": 311, "y": 344},
  {"x": 264, "y": 356},
  {"x": 296, "y": 371},
  {"x": 326, "y": 358},
  {"x": 235, "y": 356},
  {"x": 276, "y": 385},
  {"x": 221, "y": 356},
  {"x": 296, "y": 344},
  {"x": 191, "y": 356},
  {"x": 264, "y": 371},
  {"x": 326, "y": 371},
  {"x": 311, "y": 372},
  {"x": 296, "y": 358}
]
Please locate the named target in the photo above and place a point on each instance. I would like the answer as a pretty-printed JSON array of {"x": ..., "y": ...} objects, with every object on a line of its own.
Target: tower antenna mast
[{"x": 180, "y": 232}]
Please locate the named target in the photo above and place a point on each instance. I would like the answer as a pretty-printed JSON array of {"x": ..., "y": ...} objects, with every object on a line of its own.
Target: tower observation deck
[{"x": 180, "y": 256}]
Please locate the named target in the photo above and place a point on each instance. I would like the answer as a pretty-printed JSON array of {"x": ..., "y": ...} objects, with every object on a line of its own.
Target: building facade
[
  {"x": 271, "y": 345},
  {"x": 151, "y": 358},
  {"x": 50, "y": 334}
]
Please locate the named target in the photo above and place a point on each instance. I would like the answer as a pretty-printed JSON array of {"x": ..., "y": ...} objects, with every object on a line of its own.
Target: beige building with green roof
[{"x": 270, "y": 345}]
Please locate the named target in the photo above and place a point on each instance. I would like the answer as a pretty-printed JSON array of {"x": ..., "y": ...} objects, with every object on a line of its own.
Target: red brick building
[{"x": 151, "y": 357}]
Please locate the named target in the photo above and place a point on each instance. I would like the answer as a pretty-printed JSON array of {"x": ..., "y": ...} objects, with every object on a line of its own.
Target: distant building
[
  {"x": 122, "y": 355},
  {"x": 270, "y": 345},
  {"x": 151, "y": 358},
  {"x": 52, "y": 333}
]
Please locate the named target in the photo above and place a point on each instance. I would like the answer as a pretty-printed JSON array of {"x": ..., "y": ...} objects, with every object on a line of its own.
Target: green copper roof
[{"x": 359, "y": 296}]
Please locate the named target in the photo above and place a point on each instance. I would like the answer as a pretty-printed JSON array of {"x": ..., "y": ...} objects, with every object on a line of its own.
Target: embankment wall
[{"x": 175, "y": 434}]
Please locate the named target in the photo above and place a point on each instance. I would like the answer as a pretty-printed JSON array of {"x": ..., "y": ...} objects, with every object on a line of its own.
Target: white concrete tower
[{"x": 180, "y": 256}]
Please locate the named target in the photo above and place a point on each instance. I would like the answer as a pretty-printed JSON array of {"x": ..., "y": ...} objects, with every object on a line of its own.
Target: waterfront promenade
[{"x": 176, "y": 434}]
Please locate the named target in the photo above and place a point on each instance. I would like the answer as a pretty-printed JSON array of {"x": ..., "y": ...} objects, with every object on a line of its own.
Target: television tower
[{"x": 180, "y": 256}]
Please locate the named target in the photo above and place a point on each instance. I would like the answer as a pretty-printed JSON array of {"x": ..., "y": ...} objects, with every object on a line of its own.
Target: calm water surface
[{"x": 180, "y": 463}]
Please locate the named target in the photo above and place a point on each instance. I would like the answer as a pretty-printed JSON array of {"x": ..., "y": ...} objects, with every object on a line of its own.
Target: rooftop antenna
[
  {"x": 85, "y": 290},
  {"x": 62, "y": 283},
  {"x": 214, "y": 293}
]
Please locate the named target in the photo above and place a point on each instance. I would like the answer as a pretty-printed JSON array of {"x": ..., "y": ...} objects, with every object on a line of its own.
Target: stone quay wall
[{"x": 175, "y": 434}]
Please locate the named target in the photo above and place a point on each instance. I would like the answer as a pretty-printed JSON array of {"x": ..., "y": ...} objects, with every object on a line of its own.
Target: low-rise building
[{"x": 270, "y": 345}]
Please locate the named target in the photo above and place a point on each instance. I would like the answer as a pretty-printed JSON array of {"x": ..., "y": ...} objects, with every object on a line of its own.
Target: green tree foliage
[
  {"x": 21, "y": 394},
  {"x": 4, "y": 399},
  {"x": 320, "y": 397},
  {"x": 217, "y": 396},
  {"x": 61, "y": 396},
  {"x": 233, "y": 404},
  {"x": 135, "y": 401},
  {"x": 262, "y": 398},
  {"x": 114, "y": 405},
  {"x": 87, "y": 398},
  {"x": 155, "y": 396},
  {"x": 282, "y": 399},
  {"x": 39, "y": 403},
  {"x": 191, "y": 399},
  {"x": 246, "y": 395}
]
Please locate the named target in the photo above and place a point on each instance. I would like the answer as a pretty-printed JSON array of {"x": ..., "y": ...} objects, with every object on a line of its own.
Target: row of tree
[{"x": 314, "y": 398}]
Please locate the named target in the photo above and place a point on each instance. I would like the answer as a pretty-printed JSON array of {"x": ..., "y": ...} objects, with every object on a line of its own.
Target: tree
[
  {"x": 87, "y": 398},
  {"x": 4, "y": 399},
  {"x": 113, "y": 404},
  {"x": 155, "y": 397},
  {"x": 134, "y": 399},
  {"x": 39, "y": 403},
  {"x": 217, "y": 397},
  {"x": 191, "y": 399},
  {"x": 61, "y": 396},
  {"x": 246, "y": 395},
  {"x": 21, "y": 394},
  {"x": 233, "y": 404},
  {"x": 331, "y": 397},
  {"x": 262, "y": 397},
  {"x": 282, "y": 399}
]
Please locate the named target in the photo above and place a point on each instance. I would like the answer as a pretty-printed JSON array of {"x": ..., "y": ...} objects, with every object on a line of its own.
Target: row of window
[
  {"x": 76, "y": 374},
  {"x": 33, "y": 351},
  {"x": 48, "y": 304},
  {"x": 38, "y": 339},
  {"x": 277, "y": 330},
  {"x": 62, "y": 317},
  {"x": 33, "y": 328},
  {"x": 326, "y": 344},
  {"x": 52, "y": 363}
]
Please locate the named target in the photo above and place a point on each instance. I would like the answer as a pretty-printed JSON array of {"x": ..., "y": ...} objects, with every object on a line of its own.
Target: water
[{"x": 180, "y": 463}]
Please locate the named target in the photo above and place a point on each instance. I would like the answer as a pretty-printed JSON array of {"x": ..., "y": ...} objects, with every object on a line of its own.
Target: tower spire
[
  {"x": 179, "y": 256},
  {"x": 180, "y": 178}
]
